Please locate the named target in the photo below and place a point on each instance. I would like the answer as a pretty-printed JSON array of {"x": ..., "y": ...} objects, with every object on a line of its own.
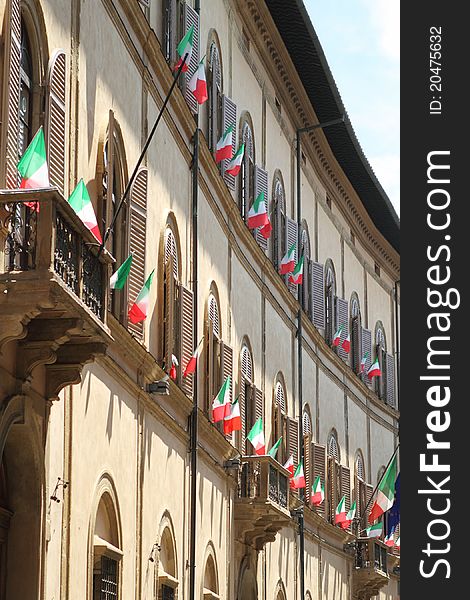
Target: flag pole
[
  {"x": 380, "y": 480},
  {"x": 141, "y": 157}
]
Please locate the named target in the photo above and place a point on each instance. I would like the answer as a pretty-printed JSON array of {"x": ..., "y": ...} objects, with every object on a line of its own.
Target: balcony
[
  {"x": 262, "y": 505},
  {"x": 371, "y": 569},
  {"x": 53, "y": 288}
]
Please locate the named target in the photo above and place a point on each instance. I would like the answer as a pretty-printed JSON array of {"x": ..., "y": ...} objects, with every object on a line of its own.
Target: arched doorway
[{"x": 247, "y": 588}]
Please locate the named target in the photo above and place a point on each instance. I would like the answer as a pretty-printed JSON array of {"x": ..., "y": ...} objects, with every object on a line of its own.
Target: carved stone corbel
[{"x": 59, "y": 376}]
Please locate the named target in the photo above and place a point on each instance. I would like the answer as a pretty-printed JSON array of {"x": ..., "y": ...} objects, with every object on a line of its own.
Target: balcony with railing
[
  {"x": 371, "y": 568},
  {"x": 262, "y": 505},
  {"x": 53, "y": 286}
]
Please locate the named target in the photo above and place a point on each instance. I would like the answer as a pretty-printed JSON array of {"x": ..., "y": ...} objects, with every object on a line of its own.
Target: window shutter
[
  {"x": 317, "y": 294},
  {"x": 332, "y": 487},
  {"x": 308, "y": 466},
  {"x": 342, "y": 318},
  {"x": 226, "y": 354},
  {"x": 361, "y": 497},
  {"x": 229, "y": 117},
  {"x": 259, "y": 404},
  {"x": 293, "y": 441},
  {"x": 390, "y": 380},
  {"x": 356, "y": 345},
  {"x": 261, "y": 185},
  {"x": 169, "y": 30},
  {"x": 170, "y": 295},
  {"x": 190, "y": 17},
  {"x": 319, "y": 469},
  {"x": 242, "y": 403},
  {"x": 366, "y": 337},
  {"x": 137, "y": 236},
  {"x": 56, "y": 119},
  {"x": 209, "y": 345},
  {"x": 369, "y": 491},
  {"x": 346, "y": 485},
  {"x": 214, "y": 96},
  {"x": 186, "y": 336},
  {"x": 109, "y": 174},
  {"x": 291, "y": 238},
  {"x": 11, "y": 73}
]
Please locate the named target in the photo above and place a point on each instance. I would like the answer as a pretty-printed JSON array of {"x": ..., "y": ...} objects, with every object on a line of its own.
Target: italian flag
[
  {"x": 274, "y": 449},
  {"x": 363, "y": 362},
  {"x": 297, "y": 275},
  {"x": 290, "y": 465},
  {"x": 337, "y": 336},
  {"x": 389, "y": 541},
  {"x": 256, "y": 437},
  {"x": 385, "y": 492},
  {"x": 223, "y": 150},
  {"x": 33, "y": 167},
  {"x": 233, "y": 422},
  {"x": 185, "y": 47},
  {"x": 174, "y": 363},
  {"x": 340, "y": 513},
  {"x": 138, "y": 311},
  {"x": 374, "y": 370},
  {"x": 346, "y": 345},
  {"x": 197, "y": 84},
  {"x": 221, "y": 403},
  {"x": 266, "y": 230},
  {"x": 258, "y": 213},
  {"x": 298, "y": 479},
  {"x": 192, "y": 362},
  {"x": 118, "y": 278},
  {"x": 288, "y": 261},
  {"x": 374, "y": 531},
  {"x": 80, "y": 202},
  {"x": 318, "y": 492},
  {"x": 234, "y": 165},
  {"x": 349, "y": 517}
]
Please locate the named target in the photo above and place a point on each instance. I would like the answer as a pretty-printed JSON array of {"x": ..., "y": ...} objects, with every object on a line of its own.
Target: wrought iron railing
[
  {"x": 53, "y": 238},
  {"x": 371, "y": 554},
  {"x": 262, "y": 478}
]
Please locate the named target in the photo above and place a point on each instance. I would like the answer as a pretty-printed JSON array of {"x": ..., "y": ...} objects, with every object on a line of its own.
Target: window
[
  {"x": 305, "y": 251},
  {"x": 106, "y": 551},
  {"x": 360, "y": 486},
  {"x": 355, "y": 334},
  {"x": 26, "y": 94},
  {"x": 247, "y": 170},
  {"x": 330, "y": 292},
  {"x": 170, "y": 307},
  {"x": 279, "y": 425},
  {"x": 251, "y": 399},
  {"x": 279, "y": 222},
  {"x": 213, "y": 347},
  {"x": 380, "y": 352},
  {"x": 167, "y": 582},
  {"x": 307, "y": 441},
  {"x": 215, "y": 97},
  {"x": 171, "y": 28},
  {"x": 211, "y": 586},
  {"x": 334, "y": 475}
]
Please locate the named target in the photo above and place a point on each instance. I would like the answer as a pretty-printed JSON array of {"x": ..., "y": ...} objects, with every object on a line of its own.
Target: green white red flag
[
  {"x": 290, "y": 465},
  {"x": 174, "y": 364},
  {"x": 374, "y": 531},
  {"x": 256, "y": 437},
  {"x": 138, "y": 311},
  {"x": 119, "y": 277},
  {"x": 385, "y": 491},
  {"x": 266, "y": 230},
  {"x": 288, "y": 261},
  {"x": 185, "y": 49},
  {"x": 223, "y": 150},
  {"x": 318, "y": 492},
  {"x": 33, "y": 167},
  {"x": 234, "y": 165},
  {"x": 363, "y": 362},
  {"x": 274, "y": 449},
  {"x": 337, "y": 336},
  {"x": 374, "y": 370},
  {"x": 221, "y": 403},
  {"x": 233, "y": 422},
  {"x": 298, "y": 272},
  {"x": 298, "y": 479},
  {"x": 389, "y": 541},
  {"x": 198, "y": 85},
  {"x": 258, "y": 213},
  {"x": 80, "y": 202},
  {"x": 192, "y": 363},
  {"x": 340, "y": 513},
  {"x": 349, "y": 517},
  {"x": 346, "y": 345}
]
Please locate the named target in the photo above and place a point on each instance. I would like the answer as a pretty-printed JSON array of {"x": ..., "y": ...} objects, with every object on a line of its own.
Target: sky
[{"x": 361, "y": 41}]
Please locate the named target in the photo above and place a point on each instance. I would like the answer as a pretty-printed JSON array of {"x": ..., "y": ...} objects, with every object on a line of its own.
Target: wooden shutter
[
  {"x": 137, "y": 237},
  {"x": 261, "y": 185},
  {"x": 209, "y": 346},
  {"x": 346, "y": 485},
  {"x": 342, "y": 318},
  {"x": 170, "y": 294},
  {"x": 109, "y": 175},
  {"x": 292, "y": 238},
  {"x": 308, "y": 466},
  {"x": 390, "y": 380},
  {"x": 190, "y": 17},
  {"x": 214, "y": 96},
  {"x": 242, "y": 403},
  {"x": 366, "y": 338},
  {"x": 169, "y": 30},
  {"x": 369, "y": 490},
  {"x": 259, "y": 404},
  {"x": 319, "y": 469},
  {"x": 356, "y": 345},
  {"x": 11, "y": 74},
  {"x": 226, "y": 357},
  {"x": 186, "y": 337},
  {"x": 56, "y": 119},
  {"x": 293, "y": 441},
  {"x": 332, "y": 488},
  {"x": 229, "y": 117},
  {"x": 361, "y": 497},
  {"x": 317, "y": 294}
]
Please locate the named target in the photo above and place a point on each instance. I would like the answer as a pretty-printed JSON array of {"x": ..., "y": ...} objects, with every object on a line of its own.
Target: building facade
[{"x": 95, "y": 477}]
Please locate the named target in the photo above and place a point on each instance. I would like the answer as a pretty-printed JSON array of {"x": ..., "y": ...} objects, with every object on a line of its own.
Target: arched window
[
  {"x": 330, "y": 293},
  {"x": 355, "y": 329},
  {"x": 334, "y": 474},
  {"x": 360, "y": 485},
  {"x": 307, "y": 441},
  {"x": 167, "y": 570},
  {"x": 247, "y": 169},
  {"x": 247, "y": 397},
  {"x": 305, "y": 251},
  {"x": 107, "y": 553},
  {"x": 214, "y": 85},
  {"x": 26, "y": 92},
  {"x": 380, "y": 351},
  {"x": 210, "y": 589},
  {"x": 279, "y": 424},
  {"x": 170, "y": 338},
  {"x": 279, "y": 222},
  {"x": 213, "y": 350}
]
